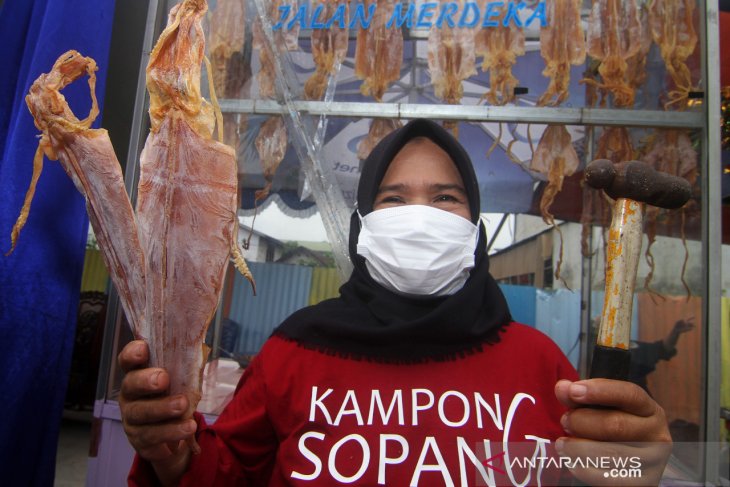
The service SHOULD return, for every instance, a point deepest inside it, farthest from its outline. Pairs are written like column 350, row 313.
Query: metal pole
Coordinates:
column 496, row 232
column 711, row 248
column 472, row 113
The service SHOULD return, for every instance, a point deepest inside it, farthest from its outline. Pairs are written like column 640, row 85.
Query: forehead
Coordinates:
column 422, row 159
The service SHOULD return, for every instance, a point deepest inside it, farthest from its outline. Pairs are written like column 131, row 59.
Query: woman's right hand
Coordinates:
column 153, row 420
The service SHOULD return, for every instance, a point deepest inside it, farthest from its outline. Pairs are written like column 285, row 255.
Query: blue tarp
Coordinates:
column 521, row 301
column 40, row 281
column 281, row 290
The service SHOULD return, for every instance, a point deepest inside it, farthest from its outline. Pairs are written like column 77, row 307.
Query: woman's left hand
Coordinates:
column 626, row 429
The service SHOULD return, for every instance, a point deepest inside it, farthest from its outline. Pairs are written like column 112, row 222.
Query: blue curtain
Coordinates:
column 40, row 281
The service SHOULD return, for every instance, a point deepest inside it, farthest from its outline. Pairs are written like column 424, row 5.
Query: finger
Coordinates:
column 134, row 355
column 617, row 394
column 562, row 393
column 146, row 411
column 150, row 438
column 144, row 383
column 614, row 425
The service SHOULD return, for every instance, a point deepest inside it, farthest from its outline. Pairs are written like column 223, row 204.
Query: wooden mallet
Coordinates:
column 631, row 184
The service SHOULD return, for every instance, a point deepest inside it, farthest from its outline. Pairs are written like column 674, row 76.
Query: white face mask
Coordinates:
column 416, row 249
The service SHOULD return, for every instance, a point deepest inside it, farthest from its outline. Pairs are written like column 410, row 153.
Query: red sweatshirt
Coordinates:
column 302, row 417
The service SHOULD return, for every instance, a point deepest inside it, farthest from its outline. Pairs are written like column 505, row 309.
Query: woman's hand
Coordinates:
column 152, row 418
column 626, row 425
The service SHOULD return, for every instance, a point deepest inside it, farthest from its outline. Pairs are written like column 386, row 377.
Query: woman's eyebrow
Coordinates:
column 447, row 187
column 391, row 187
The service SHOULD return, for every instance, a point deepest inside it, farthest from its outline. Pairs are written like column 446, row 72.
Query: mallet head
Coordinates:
column 638, row 181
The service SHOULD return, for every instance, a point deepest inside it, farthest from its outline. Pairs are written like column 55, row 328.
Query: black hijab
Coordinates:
column 370, row 322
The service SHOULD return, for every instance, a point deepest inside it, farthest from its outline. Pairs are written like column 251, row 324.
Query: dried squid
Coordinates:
column 379, row 128
column 555, row 157
column 672, row 28
column 168, row 265
column 284, row 40
column 88, row 158
column 272, row 140
column 636, row 73
column 499, row 47
column 562, row 44
column 451, row 60
column 186, row 208
column 231, row 71
column 614, row 36
column 378, row 51
column 329, row 48
column 271, row 145
column 671, row 152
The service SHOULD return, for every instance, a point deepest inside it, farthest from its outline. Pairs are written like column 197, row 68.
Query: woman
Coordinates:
column 415, row 375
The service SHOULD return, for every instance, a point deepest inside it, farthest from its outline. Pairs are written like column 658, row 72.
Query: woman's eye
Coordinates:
column 391, row 199
column 446, row 198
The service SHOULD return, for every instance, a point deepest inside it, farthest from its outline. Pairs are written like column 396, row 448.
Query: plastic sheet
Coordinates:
column 307, row 136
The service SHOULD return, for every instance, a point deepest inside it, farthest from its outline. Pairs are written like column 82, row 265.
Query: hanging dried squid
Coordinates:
column 451, row 59
column 671, row 152
column 636, row 73
column 272, row 139
column 231, row 70
column 614, row 35
column 499, row 46
column 379, row 128
column 271, row 143
column 562, row 44
column 378, row 51
column 186, row 208
column 87, row 156
column 284, row 40
column 329, row 47
column 556, row 158
column 672, row 27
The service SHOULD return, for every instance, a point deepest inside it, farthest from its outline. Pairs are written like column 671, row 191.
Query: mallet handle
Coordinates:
column 611, row 356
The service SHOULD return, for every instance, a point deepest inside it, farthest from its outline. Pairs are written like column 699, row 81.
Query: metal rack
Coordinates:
column 480, row 113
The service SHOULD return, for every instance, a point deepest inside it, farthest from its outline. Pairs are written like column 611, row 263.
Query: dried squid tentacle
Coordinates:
column 43, row 147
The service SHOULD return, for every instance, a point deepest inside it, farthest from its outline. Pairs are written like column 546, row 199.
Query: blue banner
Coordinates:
column 40, row 280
